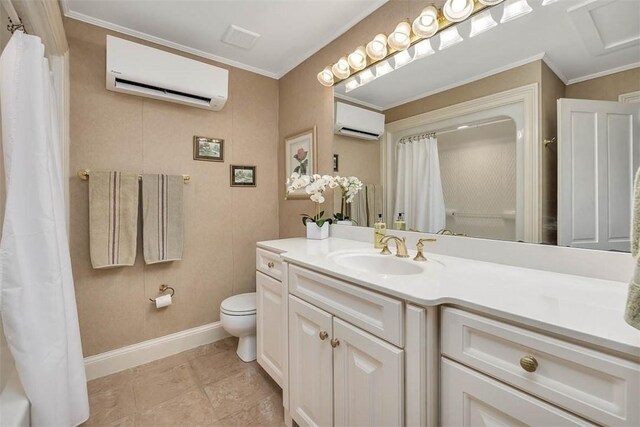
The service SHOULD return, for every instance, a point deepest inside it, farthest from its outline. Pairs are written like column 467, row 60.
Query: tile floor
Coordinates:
column 206, row 386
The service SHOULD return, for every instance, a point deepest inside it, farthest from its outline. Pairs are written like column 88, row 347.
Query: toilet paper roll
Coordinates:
column 163, row 301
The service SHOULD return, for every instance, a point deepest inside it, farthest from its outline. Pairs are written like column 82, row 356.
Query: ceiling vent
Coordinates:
column 237, row 36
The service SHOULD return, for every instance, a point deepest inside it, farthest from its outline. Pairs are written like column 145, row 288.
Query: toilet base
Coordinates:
column 247, row 348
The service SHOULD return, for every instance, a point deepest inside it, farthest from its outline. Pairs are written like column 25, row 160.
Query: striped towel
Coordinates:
column 113, row 218
column 162, row 229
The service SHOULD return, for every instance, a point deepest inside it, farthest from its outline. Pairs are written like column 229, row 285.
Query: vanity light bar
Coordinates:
column 430, row 22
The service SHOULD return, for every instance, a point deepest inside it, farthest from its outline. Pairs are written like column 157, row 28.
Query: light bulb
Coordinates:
column 481, row 23
column 426, row 25
column 383, row 68
column 351, row 84
column 402, row 59
column 547, row 2
column 515, row 9
column 423, row 49
column 491, row 2
column 400, row 39
column 458, row 10
column 358, row 58
column 325, row 77
column 341, row 68
column 449, row 37
column 377, row 48
column 366, row 76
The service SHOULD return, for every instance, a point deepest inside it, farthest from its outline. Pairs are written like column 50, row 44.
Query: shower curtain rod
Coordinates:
column 451, row 129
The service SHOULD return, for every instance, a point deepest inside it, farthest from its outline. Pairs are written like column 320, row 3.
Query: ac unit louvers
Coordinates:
column 357, row 122
column 144, row 71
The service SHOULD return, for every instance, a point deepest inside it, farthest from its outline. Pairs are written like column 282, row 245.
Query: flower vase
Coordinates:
column 317, row 233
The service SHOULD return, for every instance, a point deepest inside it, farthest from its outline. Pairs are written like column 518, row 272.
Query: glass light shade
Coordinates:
column 366, row 76
column 400, row 39
column 423, row 49
column 325, row 77
column 351, row 84
column 426, row 25
column 457, row 10
column 514, row 9
column 341, row 68
column 402, row 59
column 481, row 23
column 490, row 2
column 358, row 58
column 383, row 68
column 377, row 48
column 449, row 37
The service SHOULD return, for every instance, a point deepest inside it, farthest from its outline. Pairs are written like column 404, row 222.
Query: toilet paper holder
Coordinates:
column 163, row 289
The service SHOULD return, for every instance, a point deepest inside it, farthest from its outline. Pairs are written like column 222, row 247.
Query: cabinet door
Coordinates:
column 368, row 379
column 469, row 398
column 270, row 326
column 310, row 364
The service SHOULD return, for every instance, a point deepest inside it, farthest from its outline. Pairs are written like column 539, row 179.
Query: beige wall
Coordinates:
column 358, row 157
column 113, row 131
column 606, row 88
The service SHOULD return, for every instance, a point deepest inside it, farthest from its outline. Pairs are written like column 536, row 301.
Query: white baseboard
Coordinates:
column 131, row 356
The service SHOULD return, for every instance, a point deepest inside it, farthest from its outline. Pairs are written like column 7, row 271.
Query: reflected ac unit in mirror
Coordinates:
column 357, row 122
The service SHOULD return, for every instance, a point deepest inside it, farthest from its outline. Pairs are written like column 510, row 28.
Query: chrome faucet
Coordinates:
column 401, row 246
column 420, row 247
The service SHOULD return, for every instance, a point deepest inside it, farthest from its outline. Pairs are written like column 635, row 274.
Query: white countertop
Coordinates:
column 582, row 308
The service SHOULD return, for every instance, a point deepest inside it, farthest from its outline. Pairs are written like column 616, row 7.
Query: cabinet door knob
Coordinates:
column 323, row 335
column 270, row 264
column 529, row 363
column 335, row 342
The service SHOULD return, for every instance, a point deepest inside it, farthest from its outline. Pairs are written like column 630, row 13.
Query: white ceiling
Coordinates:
column 290, row 30
column 578, row 39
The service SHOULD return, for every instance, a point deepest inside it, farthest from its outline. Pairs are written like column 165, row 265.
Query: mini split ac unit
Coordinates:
column 144, row 71
column 357, row 122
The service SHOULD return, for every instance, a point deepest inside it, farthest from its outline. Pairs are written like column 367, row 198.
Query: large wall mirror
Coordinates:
column 520, row 129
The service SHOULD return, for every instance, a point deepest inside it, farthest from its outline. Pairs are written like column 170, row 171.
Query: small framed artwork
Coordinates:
column 243, row 176
column 300, row 157
column 208, row 149
column 335, row 163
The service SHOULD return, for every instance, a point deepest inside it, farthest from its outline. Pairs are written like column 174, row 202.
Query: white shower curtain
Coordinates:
column 37, row 300
column 418, row 185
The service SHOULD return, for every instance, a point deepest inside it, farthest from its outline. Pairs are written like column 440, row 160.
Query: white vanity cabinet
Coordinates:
column 271, row 315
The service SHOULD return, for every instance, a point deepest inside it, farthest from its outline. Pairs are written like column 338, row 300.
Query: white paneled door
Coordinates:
column 310, row 364
column 598, row 154
column 368, row 379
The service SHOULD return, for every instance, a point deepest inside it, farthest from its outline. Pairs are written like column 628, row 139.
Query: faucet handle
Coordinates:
column 385, row 249
column 420, row 246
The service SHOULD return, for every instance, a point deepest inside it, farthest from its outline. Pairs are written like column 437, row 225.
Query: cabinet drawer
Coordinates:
column 471, row 399
column 269, row 263
column 373, row 312
column 595, row 385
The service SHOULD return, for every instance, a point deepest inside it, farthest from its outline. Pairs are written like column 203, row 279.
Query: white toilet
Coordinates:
column 238, row 317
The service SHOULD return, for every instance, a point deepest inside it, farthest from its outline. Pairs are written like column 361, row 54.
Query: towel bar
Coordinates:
column 83, row 174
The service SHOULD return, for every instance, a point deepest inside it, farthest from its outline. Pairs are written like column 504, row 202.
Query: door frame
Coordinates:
column 526, row 98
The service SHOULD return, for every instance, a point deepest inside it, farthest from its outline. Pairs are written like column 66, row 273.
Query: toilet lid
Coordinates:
column 240, row 304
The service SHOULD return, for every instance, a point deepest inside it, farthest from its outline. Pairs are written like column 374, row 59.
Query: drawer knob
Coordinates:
column 270, row 264
column 323, row 335
column 529, row 363
column 335, row 342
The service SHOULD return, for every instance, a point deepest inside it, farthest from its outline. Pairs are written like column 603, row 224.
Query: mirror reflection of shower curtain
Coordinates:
column 419, row 192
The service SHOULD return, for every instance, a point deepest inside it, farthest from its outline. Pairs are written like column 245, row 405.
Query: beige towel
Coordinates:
column 113, row 218
column 632, row 312
column 162, row 218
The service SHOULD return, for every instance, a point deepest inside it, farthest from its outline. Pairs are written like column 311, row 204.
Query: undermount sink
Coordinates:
column 378, row 264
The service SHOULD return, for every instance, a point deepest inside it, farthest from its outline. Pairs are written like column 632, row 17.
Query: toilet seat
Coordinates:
column 239, row 305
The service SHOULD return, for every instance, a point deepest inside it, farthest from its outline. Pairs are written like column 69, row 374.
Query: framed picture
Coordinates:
column 300, row 157
column 335, row 163
column 243, row 176
column 208, row 149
